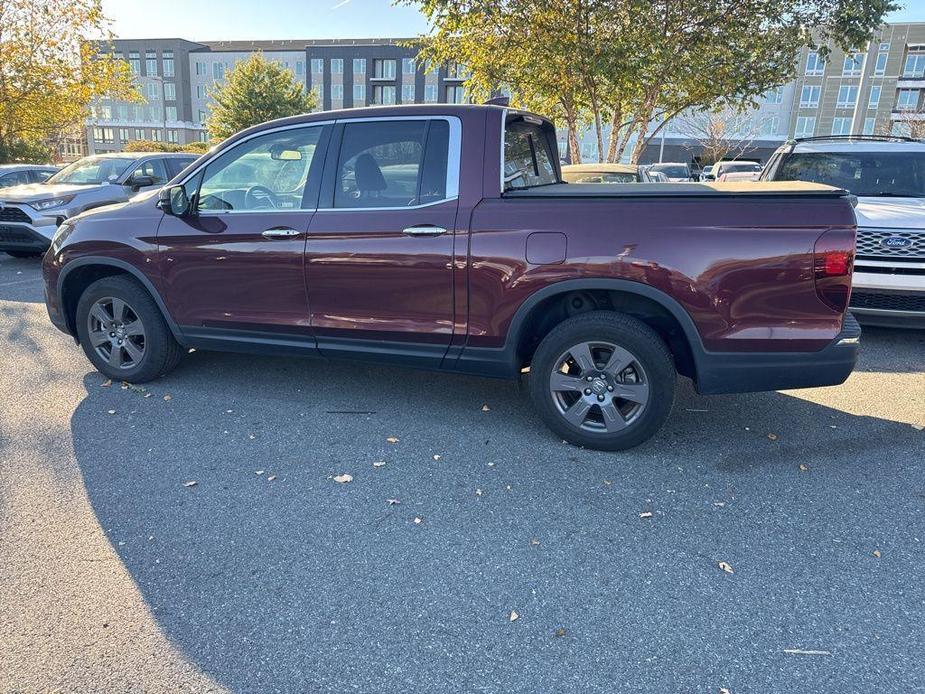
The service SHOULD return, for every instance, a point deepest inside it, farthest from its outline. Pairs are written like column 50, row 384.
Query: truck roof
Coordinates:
column 852, row 145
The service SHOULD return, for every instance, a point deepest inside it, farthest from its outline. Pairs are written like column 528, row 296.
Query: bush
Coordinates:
column 152, row 146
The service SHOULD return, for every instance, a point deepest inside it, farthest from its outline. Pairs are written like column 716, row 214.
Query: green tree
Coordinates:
column 636, row 63
column 255, row 91
column 50, row 73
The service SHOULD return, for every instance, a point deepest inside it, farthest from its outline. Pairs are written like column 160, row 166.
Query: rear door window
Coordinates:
column 528, row 160
column 153, row 168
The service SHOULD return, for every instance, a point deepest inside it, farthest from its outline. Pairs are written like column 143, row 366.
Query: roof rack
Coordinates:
column 873, row 138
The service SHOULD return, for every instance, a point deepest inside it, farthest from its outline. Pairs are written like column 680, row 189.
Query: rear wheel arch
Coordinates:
column 79, row 274
column 545, row 309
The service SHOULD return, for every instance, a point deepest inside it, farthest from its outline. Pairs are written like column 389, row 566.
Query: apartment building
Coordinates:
column 176, row 76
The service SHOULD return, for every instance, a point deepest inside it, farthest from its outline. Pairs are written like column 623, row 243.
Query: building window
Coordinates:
column 841, row 126
column 880, row 65
column 202, row 116
column 337, row 92
column 200, row 91
column 169, row 70
column 337, row 66
column 869, row 124
column 815, row 64
column 170, row 91
column 134, row 62
column 170, row 113
column 770, row 126
column 805, row 127
column 873, row 100
column 455, row 95
column 157, row 134
column 200, row 68
column 139, row 133
column 809, row 96
column 908, row 100
column 847, row 97
column 384, row 69
column 407, row 93
column 455, row 71
column 430, row 93
column 384, row 95
column 407, row 66
column 152, row 91
column 103, row 111
column 203, row 136
column 104, row 135
column 775, row 96
column 218, row 71
column 299, row 67
column 853, row 65
column 123, row 134
column 884, row 47
column 359, row 94
column 173, row 136
column 915, row 65
column 317, row 66
column 150, row 63
column 359, row 66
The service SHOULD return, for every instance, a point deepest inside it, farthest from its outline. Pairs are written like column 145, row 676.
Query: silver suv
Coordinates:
column 887, row 174
column 30, row 213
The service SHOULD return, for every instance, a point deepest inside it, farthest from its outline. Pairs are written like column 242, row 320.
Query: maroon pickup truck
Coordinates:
column 443, row 237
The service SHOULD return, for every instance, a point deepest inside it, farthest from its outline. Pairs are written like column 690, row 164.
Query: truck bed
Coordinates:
column 675, row 190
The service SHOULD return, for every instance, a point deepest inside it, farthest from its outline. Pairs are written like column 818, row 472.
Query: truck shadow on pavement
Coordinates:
column 215, row 487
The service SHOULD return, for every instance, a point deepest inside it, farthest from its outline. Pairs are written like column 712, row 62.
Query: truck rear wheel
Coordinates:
column 123, row 333
column 603, row 380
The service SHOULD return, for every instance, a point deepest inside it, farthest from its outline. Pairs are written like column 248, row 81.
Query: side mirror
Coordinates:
column 138, row 182
column 174, row 201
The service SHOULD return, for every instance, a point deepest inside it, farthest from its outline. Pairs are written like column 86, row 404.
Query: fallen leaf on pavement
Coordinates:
column 773, row 437
column 418, row 520
column 258, row 472
column 726, row 567
column 392, row 502
column 561, row 632
column 800, row 651
column 436, row 457
column 191, row 483
column 343, row 479
column 877, row 553
column 607, row 483
column 111, row 411
column 723, row 690
column 534, row 542
column 514, row 616
column 486, row 408
column 379, row 463
column 918, row 427
column 271, row 478
column 804, row 467
column 106, row 384
column 147, row 395
column 721, row 504
column 645, row 514
column 168, row 397
column 478, row 492
column 392, row 439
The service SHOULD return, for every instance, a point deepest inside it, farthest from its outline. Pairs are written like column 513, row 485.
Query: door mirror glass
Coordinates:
column 138, row 182
column 174, row 201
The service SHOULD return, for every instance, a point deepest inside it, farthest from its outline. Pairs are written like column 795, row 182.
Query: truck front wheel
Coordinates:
column 603, row 380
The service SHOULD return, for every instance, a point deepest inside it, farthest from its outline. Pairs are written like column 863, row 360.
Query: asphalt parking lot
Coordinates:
column 119, row 574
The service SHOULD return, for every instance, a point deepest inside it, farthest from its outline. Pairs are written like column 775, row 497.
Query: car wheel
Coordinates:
column 25, row 254
column 123, row 333
column 603, row 380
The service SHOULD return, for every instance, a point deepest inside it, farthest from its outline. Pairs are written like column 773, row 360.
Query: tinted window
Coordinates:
column 900, row 174
column 265, row 173
column 600, row 177
column 384, row 164
column 14, row 179
column 153, row 168
column 176, row 164
column 41, row 176
column 527, row 158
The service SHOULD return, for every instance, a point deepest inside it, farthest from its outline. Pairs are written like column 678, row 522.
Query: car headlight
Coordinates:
column 49, row 203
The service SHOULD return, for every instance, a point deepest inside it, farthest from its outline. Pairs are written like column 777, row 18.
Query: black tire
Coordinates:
column 651, row 371
column 25, row 254
column 160, row 352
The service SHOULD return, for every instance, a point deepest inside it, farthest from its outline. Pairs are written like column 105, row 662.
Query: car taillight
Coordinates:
column 833, row 261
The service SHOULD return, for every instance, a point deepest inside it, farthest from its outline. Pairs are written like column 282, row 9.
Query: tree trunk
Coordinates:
column 614, row 139
column 574, row 147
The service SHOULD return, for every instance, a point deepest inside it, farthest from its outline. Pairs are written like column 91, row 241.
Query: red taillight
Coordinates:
column 833, row 256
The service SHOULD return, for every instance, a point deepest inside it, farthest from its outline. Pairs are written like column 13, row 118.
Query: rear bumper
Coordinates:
column 745, row 373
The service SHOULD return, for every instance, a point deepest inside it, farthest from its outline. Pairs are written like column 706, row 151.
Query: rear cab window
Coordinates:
column 529, row 154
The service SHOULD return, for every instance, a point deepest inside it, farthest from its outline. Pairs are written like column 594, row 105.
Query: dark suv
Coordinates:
column 443, row 237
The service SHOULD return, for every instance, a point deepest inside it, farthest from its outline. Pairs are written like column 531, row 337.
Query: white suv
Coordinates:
column 887, row 174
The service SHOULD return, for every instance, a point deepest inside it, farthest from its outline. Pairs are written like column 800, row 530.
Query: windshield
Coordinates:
column 744, row 166
column 92, row 170
column 599, row 177
column 672, row 170
column 868, row 174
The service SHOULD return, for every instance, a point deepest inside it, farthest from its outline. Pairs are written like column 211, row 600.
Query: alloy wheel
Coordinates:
column 116, row 333
column 599, row 387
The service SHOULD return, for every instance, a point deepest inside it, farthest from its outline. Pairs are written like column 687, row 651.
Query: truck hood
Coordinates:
column 893, row 213
column 30, row 192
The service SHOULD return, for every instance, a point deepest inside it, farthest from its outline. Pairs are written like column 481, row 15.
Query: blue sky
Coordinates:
column 294, row 19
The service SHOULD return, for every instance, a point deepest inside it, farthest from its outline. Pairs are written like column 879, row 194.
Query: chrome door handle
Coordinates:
column 280, row 233
column 424, row 230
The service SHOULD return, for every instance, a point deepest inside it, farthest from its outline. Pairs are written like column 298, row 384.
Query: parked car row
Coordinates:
column 30, row 213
